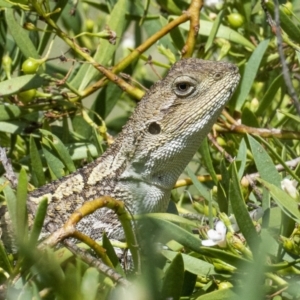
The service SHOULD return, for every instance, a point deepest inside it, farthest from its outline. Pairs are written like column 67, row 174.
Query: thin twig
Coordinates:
column 220, row 148
column 263, row 132
column 285, row 69
column 292, row 164
column 194, row 13
column 93, row 261
column 9, row 173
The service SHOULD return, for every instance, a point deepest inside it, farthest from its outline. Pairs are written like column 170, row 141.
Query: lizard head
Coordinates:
column 169, row 123
column 187, row 101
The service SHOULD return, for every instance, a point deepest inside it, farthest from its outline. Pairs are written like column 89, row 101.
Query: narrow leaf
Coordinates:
column 21, row 83
column 268, row 97
column 89, row 284
column 38, row 175
column 38, row 222
column 173, row 280
column 240, row 210
column 202, row 189
column 204, row 150
column 223, row 32
column 250, row 73
column 192, row 264
column 285, row 201
column 214, row 30
column 9, row 112
column 264, row 163
column 20, row 35
column 112, row 255
column 224, row 294
column 242, row 157
column 21, row 209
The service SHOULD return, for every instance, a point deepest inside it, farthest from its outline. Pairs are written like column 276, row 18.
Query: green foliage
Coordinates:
column 56, row 49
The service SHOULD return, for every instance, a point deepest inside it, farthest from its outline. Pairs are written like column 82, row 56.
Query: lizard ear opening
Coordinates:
column 154, row 128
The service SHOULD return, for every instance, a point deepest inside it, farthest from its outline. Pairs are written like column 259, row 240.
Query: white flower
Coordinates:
column 289, row 187
column 216, row 237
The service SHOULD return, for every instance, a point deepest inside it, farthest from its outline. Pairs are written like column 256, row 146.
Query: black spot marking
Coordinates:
column 154, row 128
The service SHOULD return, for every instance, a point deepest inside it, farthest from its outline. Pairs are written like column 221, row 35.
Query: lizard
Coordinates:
column 149, row 154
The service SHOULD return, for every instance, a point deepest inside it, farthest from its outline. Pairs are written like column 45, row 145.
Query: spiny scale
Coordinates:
column 150, row 153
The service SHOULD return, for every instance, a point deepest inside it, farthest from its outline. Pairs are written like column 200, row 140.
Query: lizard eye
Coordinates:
column 183, row 89
column 184, row 86
column 218, row 76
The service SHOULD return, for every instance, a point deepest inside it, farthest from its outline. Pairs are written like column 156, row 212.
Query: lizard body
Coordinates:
column 150, row 153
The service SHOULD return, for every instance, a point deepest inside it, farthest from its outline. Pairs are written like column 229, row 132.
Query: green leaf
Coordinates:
column 89, row 284
column 286, row 22
column 204, row 150
column 291, row 116
column 110, row 252
column 46, row 37
column 13, row 127
column 242, row 157
column 56, row 144
column 223, row 32
column 214, row 30
column 21, row 83
column 40, row 215
column 56, row 167
column 4, row 261
column 38, row 175
column 4, row 3
column 264, row 163
column 268, row 97
column 172, row 218
column 167, row 231
column 21, row 209
column 97, row 140
column 250, row 73
column 9, row 112
column 107, row 99
column 173, row 280
column 20, row 36
column 222, row 199
column 240, row 210
column 283, row 199
column 202, row 189
column 11, row 202
column 117, row 22
column 192, row 264
column 224, row 294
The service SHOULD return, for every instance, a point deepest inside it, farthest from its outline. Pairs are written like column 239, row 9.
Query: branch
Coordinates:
column 89, row 207
column 292, row 164
column 194, row 13
column 9, row 173
column 93, row 261
column 263, row 132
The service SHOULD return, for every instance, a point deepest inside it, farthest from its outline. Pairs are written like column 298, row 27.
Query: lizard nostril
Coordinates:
column 154, row 128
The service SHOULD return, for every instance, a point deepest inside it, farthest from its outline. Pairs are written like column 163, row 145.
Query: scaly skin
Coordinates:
column 150, row 153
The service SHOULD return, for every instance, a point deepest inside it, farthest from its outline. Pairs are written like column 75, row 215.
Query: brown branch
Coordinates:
column 93, row 261
column 9, row 172
column 275, row 27
column 220, row 148
column 89, row 207
column 285, row 69
column 263, row 132
column 194, row 14
column 100, row 251
column 292, row 164
column 188, row 181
